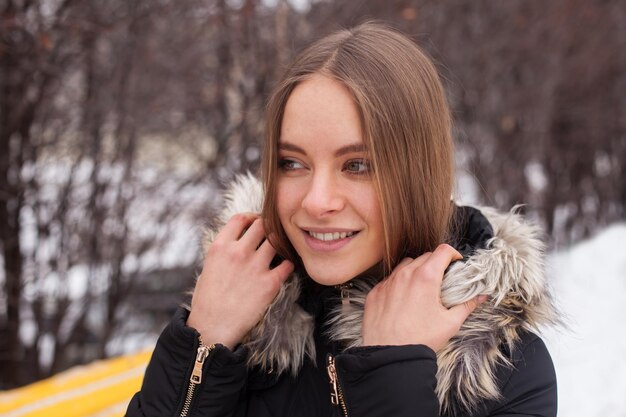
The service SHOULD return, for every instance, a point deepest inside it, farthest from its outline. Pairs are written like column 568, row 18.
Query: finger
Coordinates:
column 283, row 270
column 419, row 261
column 388, row 289
column 461, row 312
column 440, row 259
column 253, row 237
column 266, row 252
column 233, row 229
column 399, row 268
column 404, row 262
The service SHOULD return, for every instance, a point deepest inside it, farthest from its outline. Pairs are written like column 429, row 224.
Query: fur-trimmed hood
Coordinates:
column 505, row 262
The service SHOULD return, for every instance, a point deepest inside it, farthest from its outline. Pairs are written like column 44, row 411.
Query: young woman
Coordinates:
column 348, row 283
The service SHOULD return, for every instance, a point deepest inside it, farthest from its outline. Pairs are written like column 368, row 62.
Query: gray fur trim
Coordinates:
column 509, row 271
column 284, row 336
column 245, row 195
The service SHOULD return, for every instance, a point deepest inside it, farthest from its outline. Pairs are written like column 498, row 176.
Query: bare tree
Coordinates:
column 118, row 121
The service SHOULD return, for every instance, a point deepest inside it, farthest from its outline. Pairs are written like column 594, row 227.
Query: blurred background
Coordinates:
column 121, row 121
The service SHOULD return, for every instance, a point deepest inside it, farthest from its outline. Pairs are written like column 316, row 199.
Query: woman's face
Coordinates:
column 325, row 192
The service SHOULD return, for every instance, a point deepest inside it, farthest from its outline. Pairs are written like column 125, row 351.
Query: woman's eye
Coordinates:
column 287, row 164
column 358, row 166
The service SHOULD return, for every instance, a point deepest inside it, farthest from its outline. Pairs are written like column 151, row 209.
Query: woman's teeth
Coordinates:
column 326, row 237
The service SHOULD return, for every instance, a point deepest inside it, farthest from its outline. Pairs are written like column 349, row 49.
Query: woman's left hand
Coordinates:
column 406, row 307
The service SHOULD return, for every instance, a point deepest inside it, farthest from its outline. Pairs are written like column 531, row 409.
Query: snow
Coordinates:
column 536, row 176
column 589, row 282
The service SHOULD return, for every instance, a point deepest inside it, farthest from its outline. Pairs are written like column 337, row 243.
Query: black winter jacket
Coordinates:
column 376, row 381
column 495, row 366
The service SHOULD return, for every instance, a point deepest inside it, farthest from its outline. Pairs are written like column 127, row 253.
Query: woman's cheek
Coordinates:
column 286, row 200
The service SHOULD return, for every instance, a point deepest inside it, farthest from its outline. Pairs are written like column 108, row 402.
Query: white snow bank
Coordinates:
column 589, row 281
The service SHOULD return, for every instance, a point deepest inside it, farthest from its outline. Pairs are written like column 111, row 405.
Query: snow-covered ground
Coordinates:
column 589, row 281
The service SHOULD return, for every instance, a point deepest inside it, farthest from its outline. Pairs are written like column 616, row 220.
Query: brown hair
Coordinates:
column 406, row 126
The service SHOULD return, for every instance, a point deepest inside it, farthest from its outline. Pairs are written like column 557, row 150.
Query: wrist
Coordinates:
column 211, row 335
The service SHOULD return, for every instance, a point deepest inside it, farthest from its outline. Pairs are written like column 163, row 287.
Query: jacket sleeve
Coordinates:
column 530, row 389
column 167, row 378
column 388, row 381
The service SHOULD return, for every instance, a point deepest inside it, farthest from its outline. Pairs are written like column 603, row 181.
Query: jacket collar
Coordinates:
column 503, row 258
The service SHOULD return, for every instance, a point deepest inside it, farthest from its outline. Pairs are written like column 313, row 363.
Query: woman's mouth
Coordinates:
column 327, row 237
column 328, row 241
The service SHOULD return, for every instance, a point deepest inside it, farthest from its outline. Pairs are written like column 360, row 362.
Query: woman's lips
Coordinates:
column 328, row 236
column 328, row 245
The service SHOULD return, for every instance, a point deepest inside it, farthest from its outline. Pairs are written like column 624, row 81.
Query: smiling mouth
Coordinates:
column 329, row 237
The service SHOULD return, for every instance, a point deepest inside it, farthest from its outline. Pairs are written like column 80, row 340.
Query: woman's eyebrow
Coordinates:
column 286, row 146
column 352, row 148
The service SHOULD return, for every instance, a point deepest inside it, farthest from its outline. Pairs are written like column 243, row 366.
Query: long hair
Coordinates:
column 406, row 125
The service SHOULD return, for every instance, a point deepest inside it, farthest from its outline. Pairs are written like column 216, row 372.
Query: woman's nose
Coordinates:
column 323, row 196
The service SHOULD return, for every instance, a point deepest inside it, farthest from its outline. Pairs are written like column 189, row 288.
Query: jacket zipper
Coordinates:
column 196, row 376
column 344, row 290
column 336, row 394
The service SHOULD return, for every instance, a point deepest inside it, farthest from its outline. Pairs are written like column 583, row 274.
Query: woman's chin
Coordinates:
column 328, row 280
column 333, row 275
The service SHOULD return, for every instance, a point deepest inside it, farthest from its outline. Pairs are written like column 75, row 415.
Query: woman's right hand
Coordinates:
column 236, row 284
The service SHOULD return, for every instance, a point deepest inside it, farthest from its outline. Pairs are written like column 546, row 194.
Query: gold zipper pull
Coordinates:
column 344, row 291
column 203, row 352
column 332, row 374
column 345, row 296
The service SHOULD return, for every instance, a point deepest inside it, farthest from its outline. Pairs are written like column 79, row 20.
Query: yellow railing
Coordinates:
column 100, row 389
